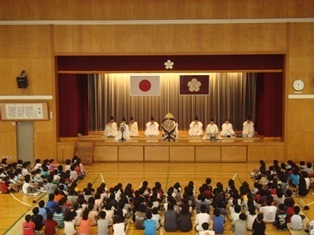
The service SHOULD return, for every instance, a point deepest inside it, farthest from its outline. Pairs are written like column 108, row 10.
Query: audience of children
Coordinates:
column 269, row 201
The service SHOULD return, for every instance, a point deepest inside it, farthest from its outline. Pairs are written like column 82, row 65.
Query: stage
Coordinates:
column 97, row 148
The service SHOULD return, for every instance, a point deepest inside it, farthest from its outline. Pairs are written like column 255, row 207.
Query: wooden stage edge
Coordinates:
column 95, row 148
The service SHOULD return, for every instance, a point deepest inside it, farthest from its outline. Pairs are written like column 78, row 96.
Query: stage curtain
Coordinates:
column 231, row 95
column 73, row 104
column 269, row 97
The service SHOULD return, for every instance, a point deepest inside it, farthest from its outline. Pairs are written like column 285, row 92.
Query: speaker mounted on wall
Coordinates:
column 21, row 80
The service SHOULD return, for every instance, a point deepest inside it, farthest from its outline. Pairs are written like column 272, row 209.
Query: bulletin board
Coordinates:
column 23, row 111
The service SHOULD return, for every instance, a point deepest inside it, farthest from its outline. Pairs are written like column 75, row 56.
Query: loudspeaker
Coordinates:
column 22, row 82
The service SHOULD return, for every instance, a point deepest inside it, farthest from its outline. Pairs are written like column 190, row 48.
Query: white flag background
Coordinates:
column 142, row 85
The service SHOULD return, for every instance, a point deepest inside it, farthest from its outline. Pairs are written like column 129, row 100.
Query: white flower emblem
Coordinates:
column 169, row 64
column 194, row 85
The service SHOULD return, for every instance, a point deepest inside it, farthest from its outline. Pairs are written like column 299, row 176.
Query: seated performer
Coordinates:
column 111, row 128
column 211, row 130
column 123, row 133
column 152, row 128
column 248, row 128
column 227, row 129
column 196, row 128
column 133, row 127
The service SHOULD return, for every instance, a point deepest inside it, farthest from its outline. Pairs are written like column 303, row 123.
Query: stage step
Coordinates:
column 85, row 150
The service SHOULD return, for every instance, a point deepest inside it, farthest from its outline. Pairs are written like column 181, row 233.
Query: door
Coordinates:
column 25, row 141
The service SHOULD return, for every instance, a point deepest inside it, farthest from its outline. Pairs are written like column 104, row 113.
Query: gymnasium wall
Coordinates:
column 34, row 47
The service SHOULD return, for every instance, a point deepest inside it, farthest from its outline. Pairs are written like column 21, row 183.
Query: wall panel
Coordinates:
column 7, row 37
column 198, row 40
column 121, row 39
column 258, row 37
column 101, row 38
column 238, row 35
column 159, row 43
column 297, row 40
column 218, row 39
column 218, row 9
column 277, row 37
column 238, row 9
column 63, row 38
column 141, row 38
column 82, row 38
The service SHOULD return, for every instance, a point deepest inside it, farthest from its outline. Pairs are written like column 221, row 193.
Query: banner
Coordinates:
column 194, row 84
column 144, row 85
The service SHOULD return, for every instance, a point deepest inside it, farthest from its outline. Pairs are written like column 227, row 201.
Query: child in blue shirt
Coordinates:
column 149, row 224
column 219, row 221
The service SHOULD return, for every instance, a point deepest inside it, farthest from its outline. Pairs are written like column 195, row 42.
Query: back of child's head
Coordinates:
column 69, row 216
column 170, row 206
column 90, row 206
column 35, row 210
column 149, row 215
column 289, row 192
column 242, row 216
column 260, row 217
column 58, row 209
column 102, row 214
column 296, row 210
column 208, row 180
column 28, row 218
column 203, row 209
column 49, row 216
column 281, row 207
column 27, row 178
column 217, row 212
column 155, row 210
column 68, row 162
column 85, row 214
column 252, row 210
column 268, row 202
column 205, row 226
column 237, row 208
column 185, row 209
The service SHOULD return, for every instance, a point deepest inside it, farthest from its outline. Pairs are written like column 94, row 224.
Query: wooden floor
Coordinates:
column 13, row 207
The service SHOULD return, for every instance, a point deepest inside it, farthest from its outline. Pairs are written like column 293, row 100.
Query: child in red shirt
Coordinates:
column 50, row 225
column 28, row 226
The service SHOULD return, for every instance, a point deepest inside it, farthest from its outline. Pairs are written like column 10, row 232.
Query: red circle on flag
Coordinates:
column 145, row 85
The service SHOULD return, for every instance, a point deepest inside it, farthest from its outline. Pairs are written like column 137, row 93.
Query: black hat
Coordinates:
column 131, row 118
column 123, row 119
column 212, row 119
column 111, row 117
column 248, row 117
column 152, row 118
column 196, row 117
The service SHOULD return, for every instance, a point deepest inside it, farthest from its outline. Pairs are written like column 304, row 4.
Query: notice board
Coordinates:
column 23, row 111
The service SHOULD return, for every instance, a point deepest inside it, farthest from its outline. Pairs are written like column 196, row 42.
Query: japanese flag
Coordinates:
column 144, row 85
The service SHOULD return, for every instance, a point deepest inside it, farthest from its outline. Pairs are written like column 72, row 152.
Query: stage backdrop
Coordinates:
column 87, row 101
column 230, row 95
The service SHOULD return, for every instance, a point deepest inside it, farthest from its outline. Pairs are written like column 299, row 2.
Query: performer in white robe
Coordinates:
column 123, row 132
column 196, row 128
column 227, row 129
column 111, row 128
column 133, row 127
column 248, row 128
column 152, row 128
column 211, row 130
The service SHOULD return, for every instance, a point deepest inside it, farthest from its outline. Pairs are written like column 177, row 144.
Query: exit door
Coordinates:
column 25, row 141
